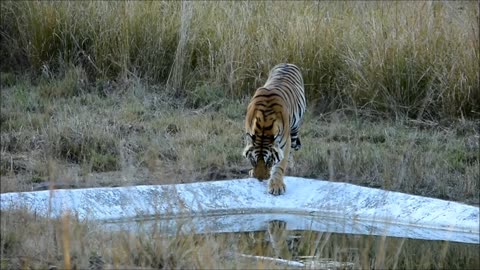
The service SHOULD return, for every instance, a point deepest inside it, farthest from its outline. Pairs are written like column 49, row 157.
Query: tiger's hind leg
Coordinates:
column 296, row 144
column 295, row 140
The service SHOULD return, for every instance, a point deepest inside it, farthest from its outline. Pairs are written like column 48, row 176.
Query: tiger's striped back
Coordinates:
column 287, row 80
column 274, row 117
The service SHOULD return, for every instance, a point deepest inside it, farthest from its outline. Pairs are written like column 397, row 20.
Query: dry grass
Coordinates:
column 157, row 139
column 139, row 135
column 414, row 58
column 114, row 94
column 47, row 243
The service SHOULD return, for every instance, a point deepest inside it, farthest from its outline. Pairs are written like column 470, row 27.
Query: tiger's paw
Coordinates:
column 276, row 187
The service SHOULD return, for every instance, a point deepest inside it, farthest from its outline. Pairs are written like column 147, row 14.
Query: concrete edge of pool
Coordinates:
column 245, row 205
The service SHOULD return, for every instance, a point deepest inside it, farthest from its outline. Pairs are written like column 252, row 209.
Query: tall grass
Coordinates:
column 415, row 58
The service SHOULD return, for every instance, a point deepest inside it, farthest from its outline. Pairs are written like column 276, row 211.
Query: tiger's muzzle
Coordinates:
column 261, row 171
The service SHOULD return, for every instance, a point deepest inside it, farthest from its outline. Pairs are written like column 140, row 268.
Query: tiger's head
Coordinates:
column 262, row 159
column 263, row 150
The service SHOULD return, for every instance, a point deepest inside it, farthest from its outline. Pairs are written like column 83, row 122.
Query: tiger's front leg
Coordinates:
column 276, row 186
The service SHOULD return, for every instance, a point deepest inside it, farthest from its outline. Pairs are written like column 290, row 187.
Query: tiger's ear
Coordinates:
column 250, row 136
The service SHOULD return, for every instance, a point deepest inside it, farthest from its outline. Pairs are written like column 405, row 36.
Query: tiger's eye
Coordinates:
column 269, row 162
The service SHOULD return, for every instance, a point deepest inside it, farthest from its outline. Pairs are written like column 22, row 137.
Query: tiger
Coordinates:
column 273, row 119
